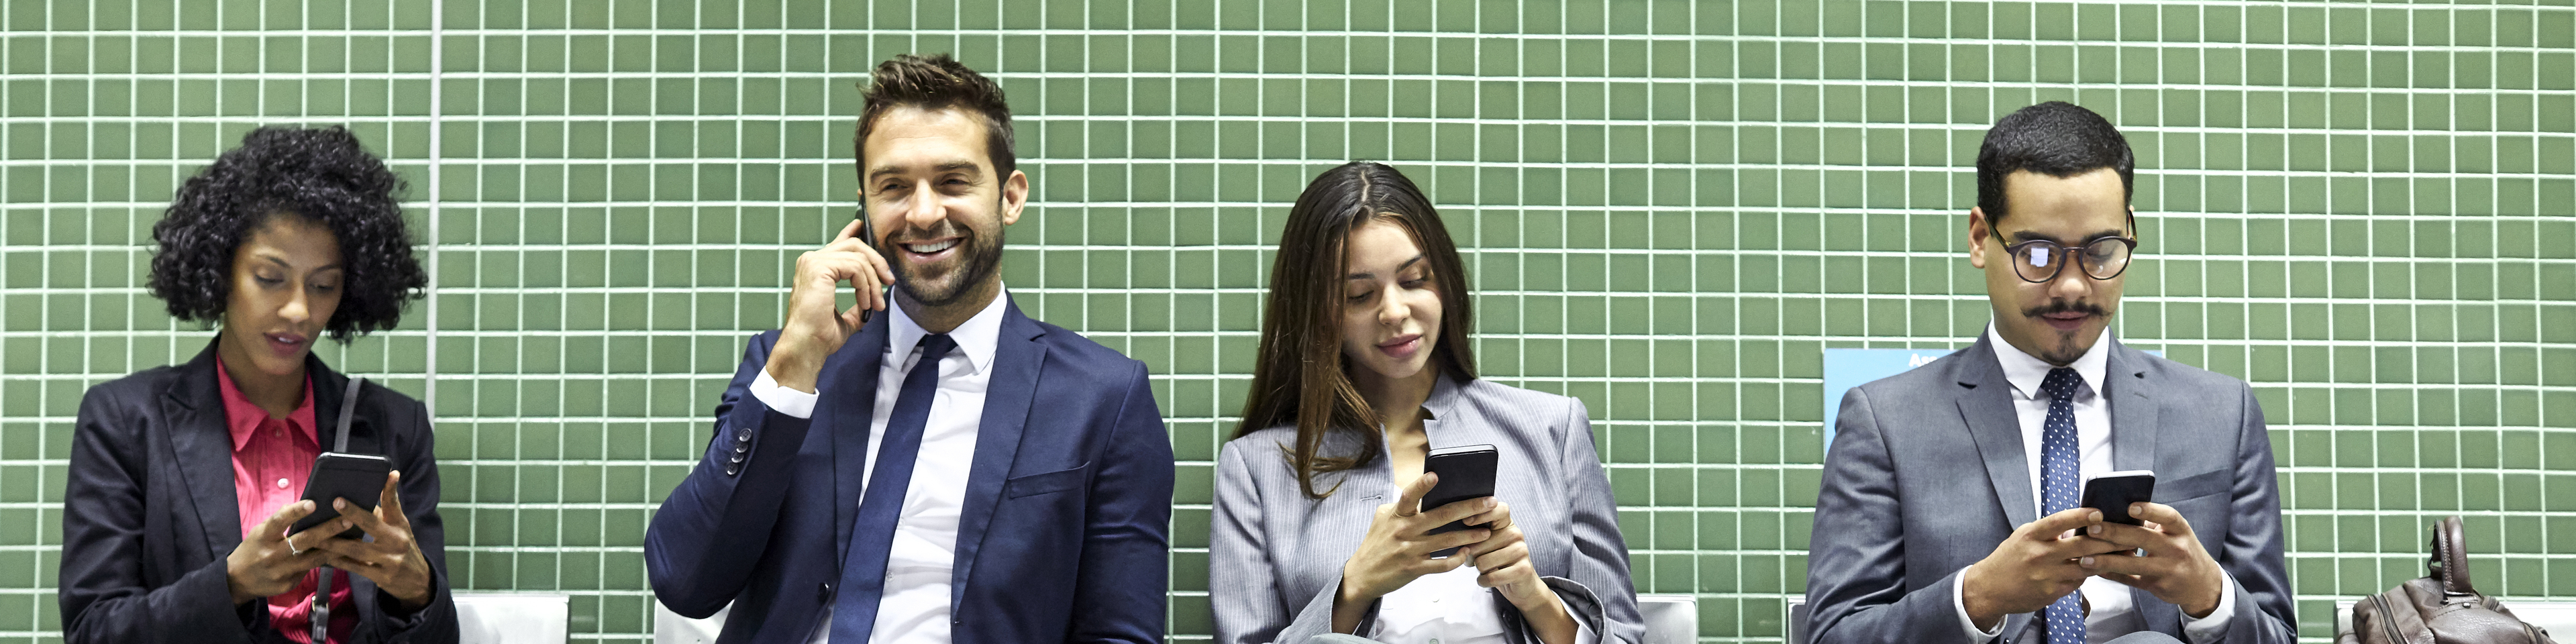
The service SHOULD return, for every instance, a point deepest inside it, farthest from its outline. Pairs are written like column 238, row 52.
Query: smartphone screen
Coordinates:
column 2112, row 492
column 1466, row 472
column 360, row 478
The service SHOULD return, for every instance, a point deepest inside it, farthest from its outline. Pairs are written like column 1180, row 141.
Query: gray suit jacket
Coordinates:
column 1926, row 475
column 1275, row 556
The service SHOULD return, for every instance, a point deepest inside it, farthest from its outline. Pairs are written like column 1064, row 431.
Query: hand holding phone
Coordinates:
column 1466, row 472
column 815, row 325
column 360, row 478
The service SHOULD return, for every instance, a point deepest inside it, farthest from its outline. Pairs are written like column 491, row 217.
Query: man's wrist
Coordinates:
column 1972, row 598
column 2208, row 601
column 792, row 368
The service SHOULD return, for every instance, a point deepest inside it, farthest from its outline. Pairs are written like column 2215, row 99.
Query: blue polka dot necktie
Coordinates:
column 2059, row 469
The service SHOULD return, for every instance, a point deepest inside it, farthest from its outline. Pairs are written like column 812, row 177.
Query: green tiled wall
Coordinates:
column 2366, row 209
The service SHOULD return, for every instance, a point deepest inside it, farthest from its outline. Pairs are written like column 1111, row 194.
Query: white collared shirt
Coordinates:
column 914, row 608
column 2112, row 613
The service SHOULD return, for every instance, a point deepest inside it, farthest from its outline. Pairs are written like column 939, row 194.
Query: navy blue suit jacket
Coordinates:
column 1065, row 532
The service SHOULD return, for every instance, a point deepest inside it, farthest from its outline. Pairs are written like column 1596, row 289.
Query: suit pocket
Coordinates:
column 2192, row 487
column 1046, row 482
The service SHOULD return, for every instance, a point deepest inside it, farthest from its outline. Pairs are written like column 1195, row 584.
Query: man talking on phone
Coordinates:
column 1949, row 507
column 929, row 465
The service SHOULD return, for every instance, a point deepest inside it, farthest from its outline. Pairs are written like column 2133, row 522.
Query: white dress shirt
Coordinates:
column 914, row 607
column 2112, row 613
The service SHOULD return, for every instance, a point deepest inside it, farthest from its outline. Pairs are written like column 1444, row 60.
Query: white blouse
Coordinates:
column 1448, row 608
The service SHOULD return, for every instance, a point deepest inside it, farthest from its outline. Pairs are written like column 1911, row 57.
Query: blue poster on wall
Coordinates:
column 1848, row 368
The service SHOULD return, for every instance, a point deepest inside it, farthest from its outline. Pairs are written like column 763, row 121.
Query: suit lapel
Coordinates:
column 1985, row 404
column 1017, row 360
column 845, row 416
column 2133, row 447
column 2133, row 411
column 194, row 403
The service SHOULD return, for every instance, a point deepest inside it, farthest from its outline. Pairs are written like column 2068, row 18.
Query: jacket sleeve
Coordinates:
column 103, row 597
column 702, row 545
column 2251, row 553
column 436, row 622
column 1856, row 552
column 1243, row 585
column 1244, row 589
column 1127, row 542
column 1597, row 590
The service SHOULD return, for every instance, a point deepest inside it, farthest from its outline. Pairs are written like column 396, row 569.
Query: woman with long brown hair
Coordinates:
column 1365, row 368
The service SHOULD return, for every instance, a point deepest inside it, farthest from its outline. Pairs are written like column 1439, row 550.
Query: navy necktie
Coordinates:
column 863, row 571
column 2060, row 469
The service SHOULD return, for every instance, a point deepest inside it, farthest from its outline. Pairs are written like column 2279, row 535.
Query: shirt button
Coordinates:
column 281, row 484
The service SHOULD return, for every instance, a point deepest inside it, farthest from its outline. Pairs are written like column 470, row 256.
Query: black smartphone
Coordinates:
column 1466, row 472
column 360, row 478
column 2112, row 492
column 868, row 235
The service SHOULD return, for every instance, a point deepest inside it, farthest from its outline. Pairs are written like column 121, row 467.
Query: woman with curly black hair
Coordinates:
column 185, row 480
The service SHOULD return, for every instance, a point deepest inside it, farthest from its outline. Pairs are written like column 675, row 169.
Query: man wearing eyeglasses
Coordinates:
column 1949, row 509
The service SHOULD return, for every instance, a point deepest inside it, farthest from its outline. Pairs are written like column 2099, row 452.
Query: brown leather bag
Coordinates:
column 2439, row 608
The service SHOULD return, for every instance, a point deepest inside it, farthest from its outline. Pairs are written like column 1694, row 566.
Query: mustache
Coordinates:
column 2063, row 306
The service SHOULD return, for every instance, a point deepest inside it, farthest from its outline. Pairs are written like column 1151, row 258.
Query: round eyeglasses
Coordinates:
column 2039, row 260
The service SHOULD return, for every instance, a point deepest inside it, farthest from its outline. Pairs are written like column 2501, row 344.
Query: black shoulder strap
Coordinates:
column 348, row 411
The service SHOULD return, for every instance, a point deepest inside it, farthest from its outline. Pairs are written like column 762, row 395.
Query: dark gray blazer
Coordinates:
column 149, row 511
column 1275, row 556
column 1926, row 475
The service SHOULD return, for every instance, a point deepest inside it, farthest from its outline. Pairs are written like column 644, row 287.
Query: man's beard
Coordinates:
column 981, row 256
column 2065, row 352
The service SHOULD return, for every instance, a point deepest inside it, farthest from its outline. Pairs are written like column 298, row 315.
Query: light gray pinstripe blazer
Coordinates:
column 1275, row 556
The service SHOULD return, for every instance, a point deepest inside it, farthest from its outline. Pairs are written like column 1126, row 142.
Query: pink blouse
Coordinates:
column 271, row 459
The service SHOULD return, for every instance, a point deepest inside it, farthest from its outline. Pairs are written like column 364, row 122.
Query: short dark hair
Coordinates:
column 936, row 82
column 319, row 174
column 2055, row 138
